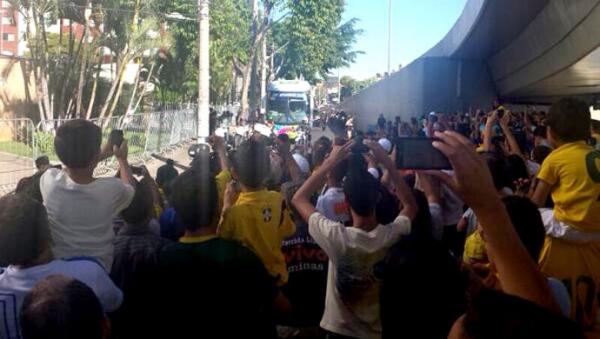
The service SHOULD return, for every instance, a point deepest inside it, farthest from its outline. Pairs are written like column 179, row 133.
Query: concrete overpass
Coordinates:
column 521, row 51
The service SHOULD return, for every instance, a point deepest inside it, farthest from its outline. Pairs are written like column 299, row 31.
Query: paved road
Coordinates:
column 13, row 169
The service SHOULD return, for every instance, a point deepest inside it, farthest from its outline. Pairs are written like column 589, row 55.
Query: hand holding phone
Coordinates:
column 116, row 137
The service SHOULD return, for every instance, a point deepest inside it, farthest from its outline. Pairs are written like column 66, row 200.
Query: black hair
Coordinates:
column 570, row 120
column 421, row 225
column 497, row 165
column 165, row 174
column 24, row 230
column 540, row 153
column 540, row 131
column 321, row 148
column 516, row 169
column 61, row 308
column 360, row 188
column 140, row 209
column 30, row 186
column 77, row 143
column 195, row 198
column 42, row 161
column 251, row 163
column 414, row 304
column 528, row 224
column 493, row 315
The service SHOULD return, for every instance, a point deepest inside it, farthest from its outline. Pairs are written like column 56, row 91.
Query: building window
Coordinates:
column 7, row 21
column 8, row 37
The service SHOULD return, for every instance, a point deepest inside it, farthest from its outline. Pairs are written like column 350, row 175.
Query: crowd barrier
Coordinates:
column 21, row 142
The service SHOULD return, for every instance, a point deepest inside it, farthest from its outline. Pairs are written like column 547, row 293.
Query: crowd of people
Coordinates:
column 331, row 241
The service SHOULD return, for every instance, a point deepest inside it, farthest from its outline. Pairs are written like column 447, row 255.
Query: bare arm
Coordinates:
column 301, row 199
column 156, row 197
column 124, row 169
column 430, row 186
column 290, row 162
column 218, row 145
column 518, row 273
column 512, row 142
column 487, row 132
column 106, row 152
column 541, row 193
column 407, row 200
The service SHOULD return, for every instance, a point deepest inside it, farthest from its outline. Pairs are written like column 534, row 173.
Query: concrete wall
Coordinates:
column 428, row 84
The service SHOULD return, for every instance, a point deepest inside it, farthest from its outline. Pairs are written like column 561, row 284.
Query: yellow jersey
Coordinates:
column 573, row 172
column 260, row 221
column 475, row 251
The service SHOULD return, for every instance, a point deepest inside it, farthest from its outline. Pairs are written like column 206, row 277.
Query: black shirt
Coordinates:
column 215, row 288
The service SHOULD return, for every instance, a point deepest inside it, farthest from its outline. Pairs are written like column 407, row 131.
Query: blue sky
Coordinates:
column 417, row 25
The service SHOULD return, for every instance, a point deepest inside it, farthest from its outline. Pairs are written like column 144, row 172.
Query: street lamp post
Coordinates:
column 389, row 61
column 203, row 70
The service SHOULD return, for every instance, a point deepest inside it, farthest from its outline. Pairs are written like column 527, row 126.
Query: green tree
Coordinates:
column 230, row 28
column 315, row 40
column 351, row 86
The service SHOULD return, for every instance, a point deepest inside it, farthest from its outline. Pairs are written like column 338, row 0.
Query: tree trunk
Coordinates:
column 84, row 66
column 113, row 88
column 263, row 76
column 246, row 77
column 117, row 96
column 88, row 116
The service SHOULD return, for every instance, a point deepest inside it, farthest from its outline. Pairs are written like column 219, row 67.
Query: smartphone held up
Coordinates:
column 116, row 137
column 419, row 154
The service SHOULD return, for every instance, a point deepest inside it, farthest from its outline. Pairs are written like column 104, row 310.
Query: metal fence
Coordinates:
column 21, row 142
column 18, row 151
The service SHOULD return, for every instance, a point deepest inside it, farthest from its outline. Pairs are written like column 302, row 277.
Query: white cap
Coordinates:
column 374, row 172
column 595, row 114
column 302, row 163
column 386, row 144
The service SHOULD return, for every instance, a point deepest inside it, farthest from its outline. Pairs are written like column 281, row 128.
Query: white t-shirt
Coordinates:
column 352, row 299
column 452, row 205
column 81, row 216
column 332, row 204
column 16, row 283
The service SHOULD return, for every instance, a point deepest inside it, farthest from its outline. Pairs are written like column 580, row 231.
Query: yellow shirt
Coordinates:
column 573, row 172
column 475, row 251
column 260, row 221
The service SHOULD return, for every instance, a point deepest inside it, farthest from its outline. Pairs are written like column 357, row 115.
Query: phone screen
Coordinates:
column 419, row 153
column 116, row 137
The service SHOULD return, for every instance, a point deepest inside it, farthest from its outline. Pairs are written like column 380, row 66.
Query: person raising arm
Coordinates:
column 301, row 199
column 472, row 180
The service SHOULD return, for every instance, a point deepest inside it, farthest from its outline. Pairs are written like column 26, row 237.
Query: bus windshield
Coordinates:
column 288, row 108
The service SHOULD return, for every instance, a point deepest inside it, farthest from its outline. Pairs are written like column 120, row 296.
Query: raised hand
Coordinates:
column 472, row 179
column 122, row 151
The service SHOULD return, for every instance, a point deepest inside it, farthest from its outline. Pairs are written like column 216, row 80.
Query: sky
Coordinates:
column 417, row 25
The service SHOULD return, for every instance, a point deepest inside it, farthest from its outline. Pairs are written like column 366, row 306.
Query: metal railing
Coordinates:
column 18, row 152
column 21, row 142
